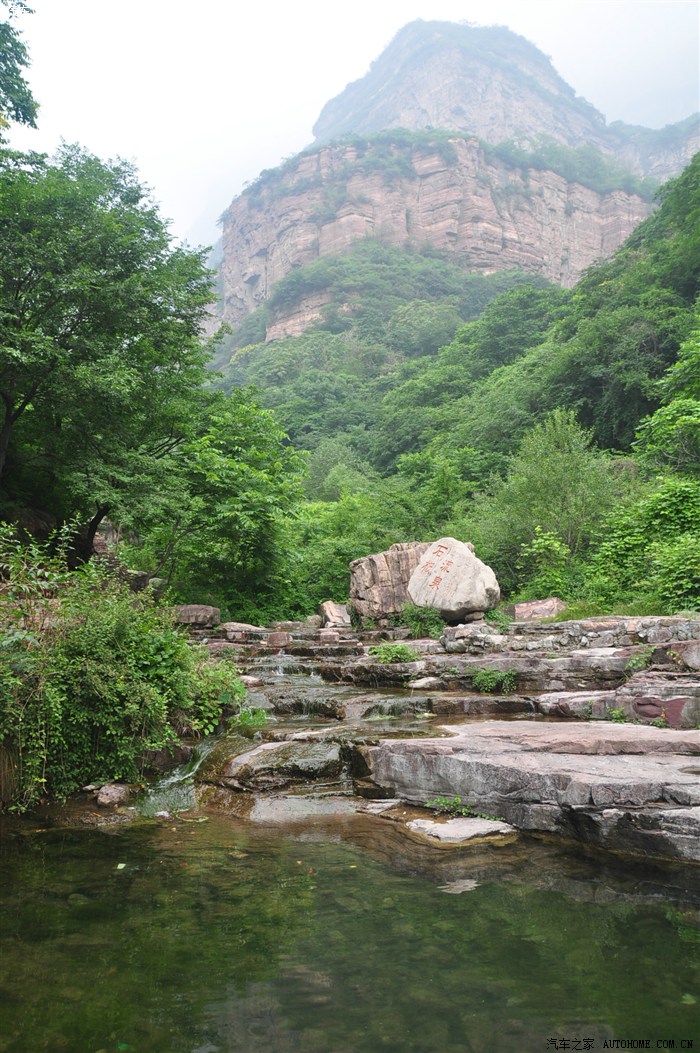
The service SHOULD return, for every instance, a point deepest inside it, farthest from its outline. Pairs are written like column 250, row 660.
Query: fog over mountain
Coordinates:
column 204, row 98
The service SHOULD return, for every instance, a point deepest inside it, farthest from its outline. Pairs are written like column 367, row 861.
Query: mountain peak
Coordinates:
column 462, row 77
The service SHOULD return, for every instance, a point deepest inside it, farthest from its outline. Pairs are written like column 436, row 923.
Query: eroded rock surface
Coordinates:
column 468, row 205
column 277, row 765
column 628, row 787
column 379, row 583
column 197, row 614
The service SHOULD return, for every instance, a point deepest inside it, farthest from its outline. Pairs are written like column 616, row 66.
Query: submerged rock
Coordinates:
column 462, row 830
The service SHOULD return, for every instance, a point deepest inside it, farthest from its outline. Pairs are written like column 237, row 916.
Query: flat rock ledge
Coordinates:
column 627, row 788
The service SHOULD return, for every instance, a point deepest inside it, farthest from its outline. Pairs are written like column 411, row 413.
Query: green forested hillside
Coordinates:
column 550, row 424
column 389, row 309
column 558, row 430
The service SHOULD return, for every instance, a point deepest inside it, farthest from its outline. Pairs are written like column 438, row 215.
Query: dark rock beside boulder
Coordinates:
column 156, row 762
column 379, row 583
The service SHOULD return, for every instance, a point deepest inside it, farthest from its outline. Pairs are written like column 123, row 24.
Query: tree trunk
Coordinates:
column 5, row 433
column 81, row 549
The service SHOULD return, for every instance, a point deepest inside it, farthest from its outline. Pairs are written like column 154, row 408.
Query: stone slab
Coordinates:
column 460, row 831
column 558, row 778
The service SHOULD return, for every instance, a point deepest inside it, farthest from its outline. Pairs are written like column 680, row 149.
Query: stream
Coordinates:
column 331, row 932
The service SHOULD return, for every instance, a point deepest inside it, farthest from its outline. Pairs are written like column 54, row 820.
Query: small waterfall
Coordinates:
column 175, row 791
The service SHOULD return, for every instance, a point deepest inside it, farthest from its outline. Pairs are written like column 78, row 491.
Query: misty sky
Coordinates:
column 203, row 95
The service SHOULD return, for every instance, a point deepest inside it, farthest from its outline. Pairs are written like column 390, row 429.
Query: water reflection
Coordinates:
column 333, row 936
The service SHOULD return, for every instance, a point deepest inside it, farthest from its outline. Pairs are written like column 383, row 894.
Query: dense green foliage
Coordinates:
column 91, row 677
column 582, row 164
column 94, row 302
column 389, row 311
column 537, row 432
column 401, row 299
column 218, row 529
column 16, row 100
column 103, row 412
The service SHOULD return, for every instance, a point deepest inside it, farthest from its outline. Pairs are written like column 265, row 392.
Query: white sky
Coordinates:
column 204, row 94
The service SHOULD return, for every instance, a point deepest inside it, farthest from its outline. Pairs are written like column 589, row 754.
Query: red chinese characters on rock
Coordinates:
column 428, row 566
column 451, row 579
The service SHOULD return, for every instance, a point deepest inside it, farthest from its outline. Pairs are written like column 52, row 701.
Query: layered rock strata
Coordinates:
column 489, row 215
column 634, row 789
column 379, row 583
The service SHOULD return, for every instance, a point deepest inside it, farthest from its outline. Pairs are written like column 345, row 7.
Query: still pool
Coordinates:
column 335, row 937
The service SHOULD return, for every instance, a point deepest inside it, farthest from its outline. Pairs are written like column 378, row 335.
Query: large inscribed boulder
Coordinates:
column 452, row 579
column 378, row 583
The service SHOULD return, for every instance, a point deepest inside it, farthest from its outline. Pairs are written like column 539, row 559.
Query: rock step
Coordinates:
column 481, row 637
column 594, row 668
column 629, row 788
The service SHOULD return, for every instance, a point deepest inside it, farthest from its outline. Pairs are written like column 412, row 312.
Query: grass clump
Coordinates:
column 494, row 680
column 392, row 653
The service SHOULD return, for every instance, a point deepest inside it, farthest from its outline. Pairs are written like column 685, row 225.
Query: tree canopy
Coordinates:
column 103, row 406
column 16, row 100
column 100, row 318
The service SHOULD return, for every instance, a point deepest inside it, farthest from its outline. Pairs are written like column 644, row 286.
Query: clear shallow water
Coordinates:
column 334, row 937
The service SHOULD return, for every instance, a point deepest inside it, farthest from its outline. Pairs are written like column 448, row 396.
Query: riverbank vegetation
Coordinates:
column 93, row 678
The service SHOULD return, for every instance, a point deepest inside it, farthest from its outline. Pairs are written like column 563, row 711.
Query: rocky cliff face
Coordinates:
column 487, row 214
column 415, row 170
column 492, row 83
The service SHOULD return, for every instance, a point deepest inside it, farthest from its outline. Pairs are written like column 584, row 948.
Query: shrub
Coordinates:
column 390, row 653
column 421, row 621
column 499, row 619
column 545, row 559
column 91, row 676
column 494, row 680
